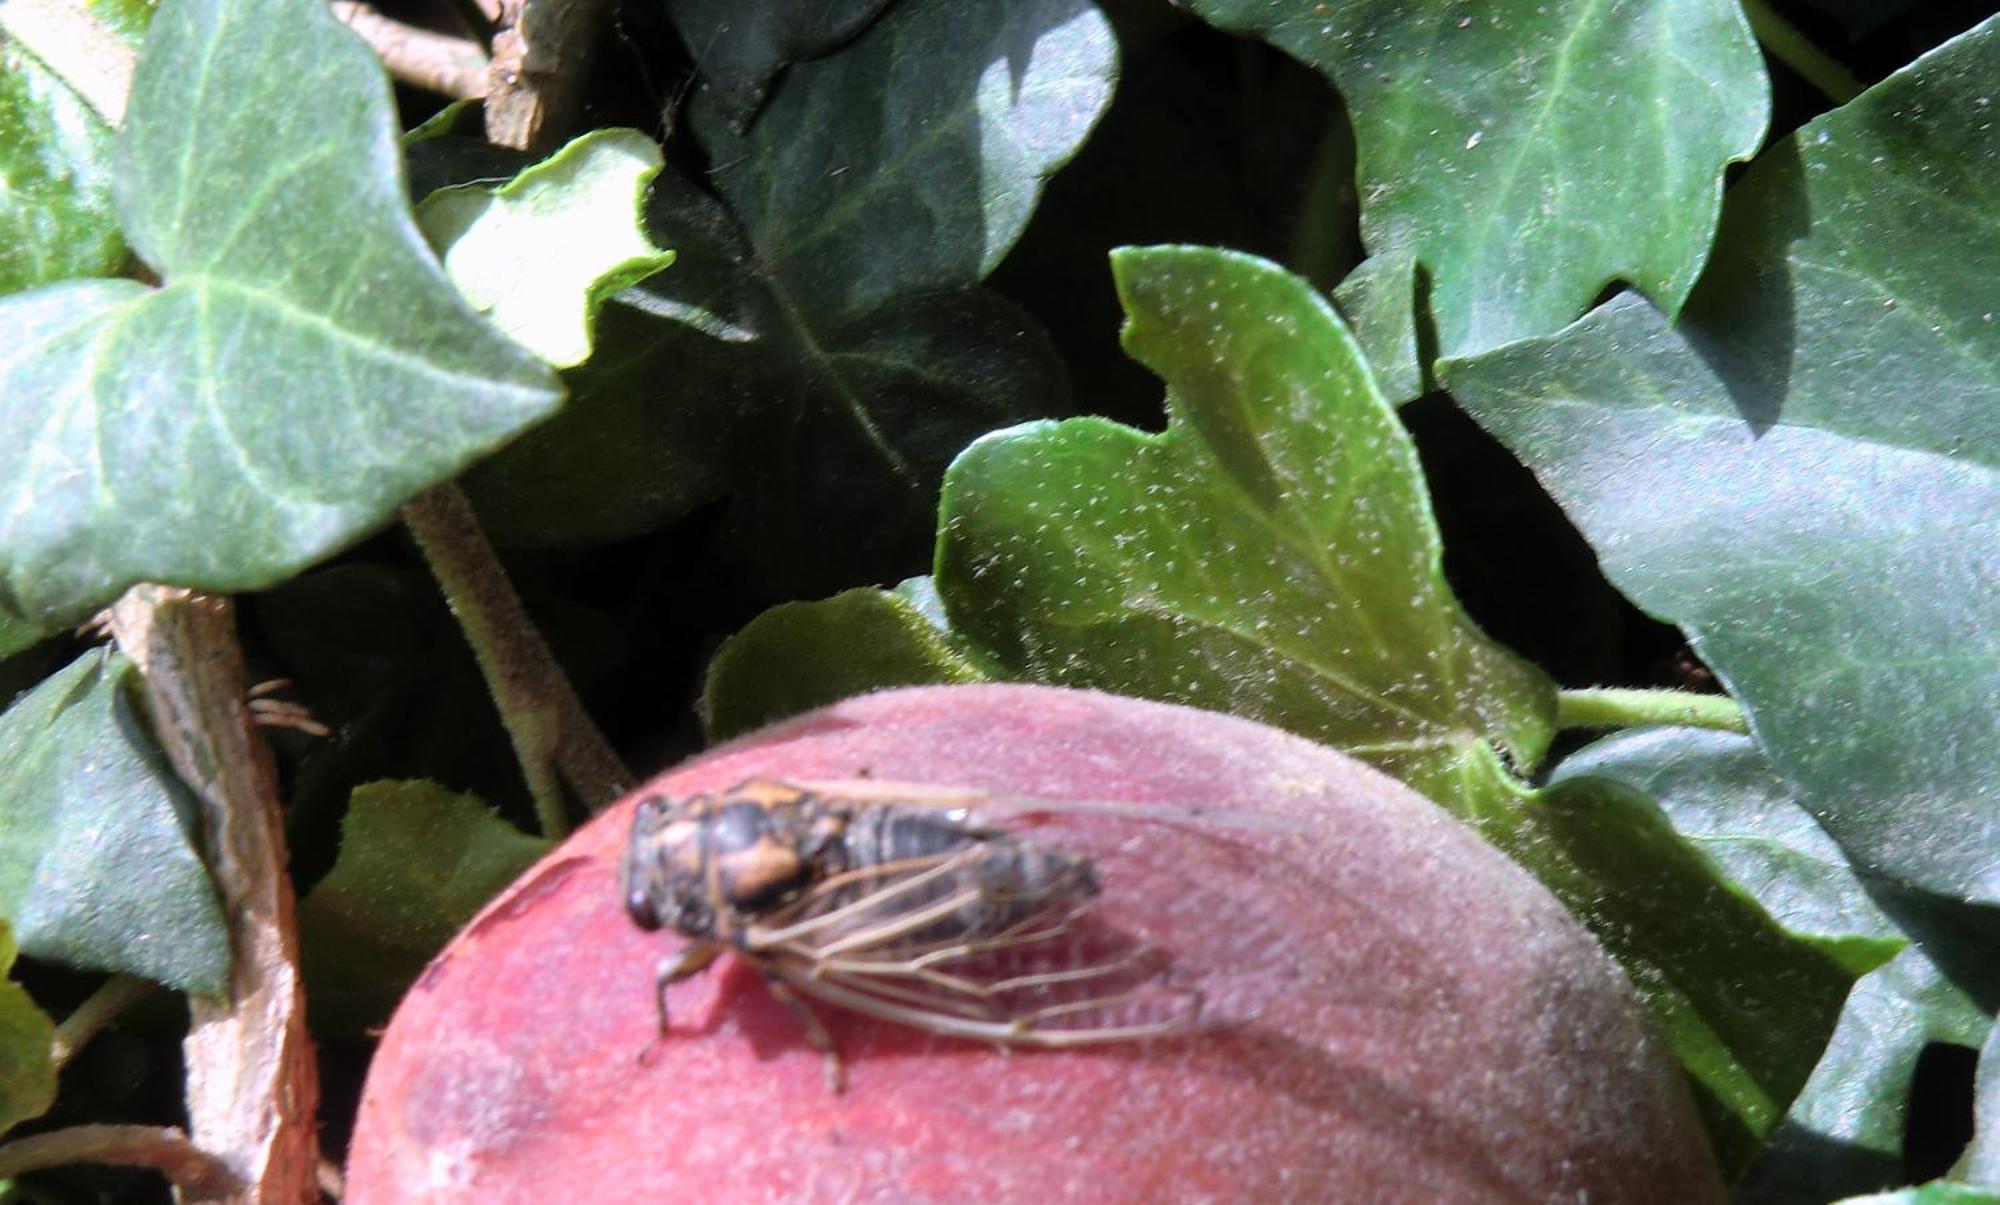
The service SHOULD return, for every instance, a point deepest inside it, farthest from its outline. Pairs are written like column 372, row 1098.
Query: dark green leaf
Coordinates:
column 56, row 217
column 1737, row 918
column 1844, row 1133
column 98, row 866
column 723, row 387
column 738, row 47
column 799, row 656
column 539, row 254
column 416, row 861
column 1803, row 474
column 27, row 1070
column 305, row 366
column 817, row 355
column 910, row 161
column 1271, row 554
column 1526, row 156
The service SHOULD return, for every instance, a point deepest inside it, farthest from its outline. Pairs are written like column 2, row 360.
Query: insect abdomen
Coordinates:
column 1005, row 880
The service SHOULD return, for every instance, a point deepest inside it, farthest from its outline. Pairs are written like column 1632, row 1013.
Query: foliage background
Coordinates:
column 1534, row 404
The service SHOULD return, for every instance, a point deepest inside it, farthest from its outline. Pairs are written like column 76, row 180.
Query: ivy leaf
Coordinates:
column 798, row 656
column 1738, row 919
column 98, row 862
column 1271, row 554
column 540, row 253
column 303, row 369
column 909, row 162
column 711, row 382
column 1805, row 472
column 818, row 353
column 1528, row 156
column 416, row 862
column 56, row 217
column 27, row 1037
column 738, row 47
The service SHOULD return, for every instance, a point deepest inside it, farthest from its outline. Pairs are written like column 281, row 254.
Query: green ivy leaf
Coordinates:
column 1271, row 554
column 539, row 254
column 1528, row 156
column 98, row 862
column 303, row 369
column 1738, row 919
column 910, row 161
column 720, row 386
column 799, row 656
column 416, row 862
column 56, row 216
column 1844, row 1133
column 1827, row 535
column 818, row 353
column 27, row 1036
column 739, row 47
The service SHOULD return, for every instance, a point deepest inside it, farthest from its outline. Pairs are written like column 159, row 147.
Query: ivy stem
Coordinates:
column 98, row 1010
column 545, row 720
column 1795, row 50
column 435, row 62
column 1608, row 707
column 164, row 1148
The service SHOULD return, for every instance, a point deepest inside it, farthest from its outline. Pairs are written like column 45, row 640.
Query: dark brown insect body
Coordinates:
column 897, row 906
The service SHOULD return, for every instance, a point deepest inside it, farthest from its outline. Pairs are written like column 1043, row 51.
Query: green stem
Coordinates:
column 1605, row 707
column 545, row 720
column 1795, row 50
column 98, row 1010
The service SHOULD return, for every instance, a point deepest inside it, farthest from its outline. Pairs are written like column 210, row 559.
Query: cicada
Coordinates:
column 907, row 904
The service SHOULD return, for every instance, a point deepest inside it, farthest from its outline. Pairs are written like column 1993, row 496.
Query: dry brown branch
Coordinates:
column 198, row 1176
column 541, row 58
column 252, row 1088
column 451, row 66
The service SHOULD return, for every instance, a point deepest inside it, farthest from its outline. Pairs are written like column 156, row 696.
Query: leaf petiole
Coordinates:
column 1608, row 707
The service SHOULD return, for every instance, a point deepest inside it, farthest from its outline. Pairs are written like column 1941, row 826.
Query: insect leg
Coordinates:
column 836, row 1071
column 689, row 960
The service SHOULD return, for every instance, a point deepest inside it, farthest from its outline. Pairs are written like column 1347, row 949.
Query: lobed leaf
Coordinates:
column 539, row 254
column 99, row 866
column 1527, row 156
column 1739, row 920
column 1803, row 473
column 1270, row 554
column 304, row 366
column 819, row 352
column 909, row 162
column 416, row 862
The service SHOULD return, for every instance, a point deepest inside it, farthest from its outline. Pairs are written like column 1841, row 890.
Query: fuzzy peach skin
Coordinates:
column 1399, row 1014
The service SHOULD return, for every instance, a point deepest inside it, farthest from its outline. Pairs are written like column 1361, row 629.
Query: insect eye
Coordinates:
column 639, row 902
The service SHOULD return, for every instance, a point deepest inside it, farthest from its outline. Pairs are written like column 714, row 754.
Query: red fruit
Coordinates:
column 1426, row 1022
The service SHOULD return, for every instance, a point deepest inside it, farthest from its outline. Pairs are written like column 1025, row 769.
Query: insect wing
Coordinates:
column 1047, row 960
